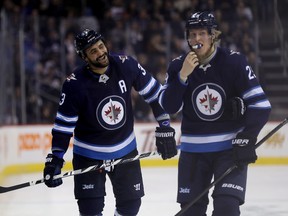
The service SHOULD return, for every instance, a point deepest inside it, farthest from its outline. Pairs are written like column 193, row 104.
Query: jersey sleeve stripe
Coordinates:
column 66, row 118
column 254, row 92
column 261, row 104
column 148, row 87
column 63, row 129
column 154, row 96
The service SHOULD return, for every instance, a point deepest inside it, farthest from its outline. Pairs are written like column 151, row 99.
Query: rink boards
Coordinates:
column 24, row 148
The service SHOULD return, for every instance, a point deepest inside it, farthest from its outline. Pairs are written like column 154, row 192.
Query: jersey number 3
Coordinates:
column 63, row 95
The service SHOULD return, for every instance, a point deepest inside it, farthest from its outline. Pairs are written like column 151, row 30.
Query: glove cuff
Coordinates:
column 163, row 120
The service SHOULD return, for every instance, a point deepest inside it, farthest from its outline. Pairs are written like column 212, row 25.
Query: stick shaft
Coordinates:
column 79, row 171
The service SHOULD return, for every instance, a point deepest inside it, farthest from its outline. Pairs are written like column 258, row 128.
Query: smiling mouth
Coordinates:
column 101, row 58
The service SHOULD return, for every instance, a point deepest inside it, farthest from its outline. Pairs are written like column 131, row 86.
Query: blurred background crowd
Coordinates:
column 37, row 50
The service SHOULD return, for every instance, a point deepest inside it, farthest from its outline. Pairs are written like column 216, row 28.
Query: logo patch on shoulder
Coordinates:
column 71, row 77
column 123, row 58
column 207, row 100
column 111, row 112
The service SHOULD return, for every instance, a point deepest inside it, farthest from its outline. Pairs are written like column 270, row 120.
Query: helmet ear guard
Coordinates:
column 85, row 39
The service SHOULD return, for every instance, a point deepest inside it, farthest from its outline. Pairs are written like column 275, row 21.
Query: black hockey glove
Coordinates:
column 165, row 142
column 236, row 108
column 53, row 166
column 244, row 149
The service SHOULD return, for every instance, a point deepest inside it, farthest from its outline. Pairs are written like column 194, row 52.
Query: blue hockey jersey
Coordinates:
column 206, row 126
column 97, row 109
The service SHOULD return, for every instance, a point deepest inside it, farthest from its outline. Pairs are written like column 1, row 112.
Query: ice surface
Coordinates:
column 267, row 194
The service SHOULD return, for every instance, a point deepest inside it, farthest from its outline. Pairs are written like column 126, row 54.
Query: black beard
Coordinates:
column 98, row 65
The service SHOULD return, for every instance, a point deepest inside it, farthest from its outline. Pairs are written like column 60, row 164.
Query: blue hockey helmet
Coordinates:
column 203, row 19
column 86, row 39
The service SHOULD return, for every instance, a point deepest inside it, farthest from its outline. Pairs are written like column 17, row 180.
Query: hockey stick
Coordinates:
column 229, row 170
column 80, row 171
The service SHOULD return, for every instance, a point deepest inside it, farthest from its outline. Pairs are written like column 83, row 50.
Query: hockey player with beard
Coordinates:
column 223, row 110
column 96, row 107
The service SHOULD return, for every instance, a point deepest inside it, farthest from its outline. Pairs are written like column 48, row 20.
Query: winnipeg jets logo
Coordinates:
column 71, row 77
column 232, row 52
column 207, row 101
column 184, row 190
column 123, row 58
column 111, row 112
column 204, row 67
column 103, row 78
column 177, row 58
column 137, row 187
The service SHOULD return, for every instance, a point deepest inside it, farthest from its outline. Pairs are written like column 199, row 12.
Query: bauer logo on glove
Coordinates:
column 244, row 149
column 240, row 142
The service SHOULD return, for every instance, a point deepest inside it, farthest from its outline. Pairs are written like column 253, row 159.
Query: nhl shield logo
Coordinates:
column 111, row 112
column 207, row 100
